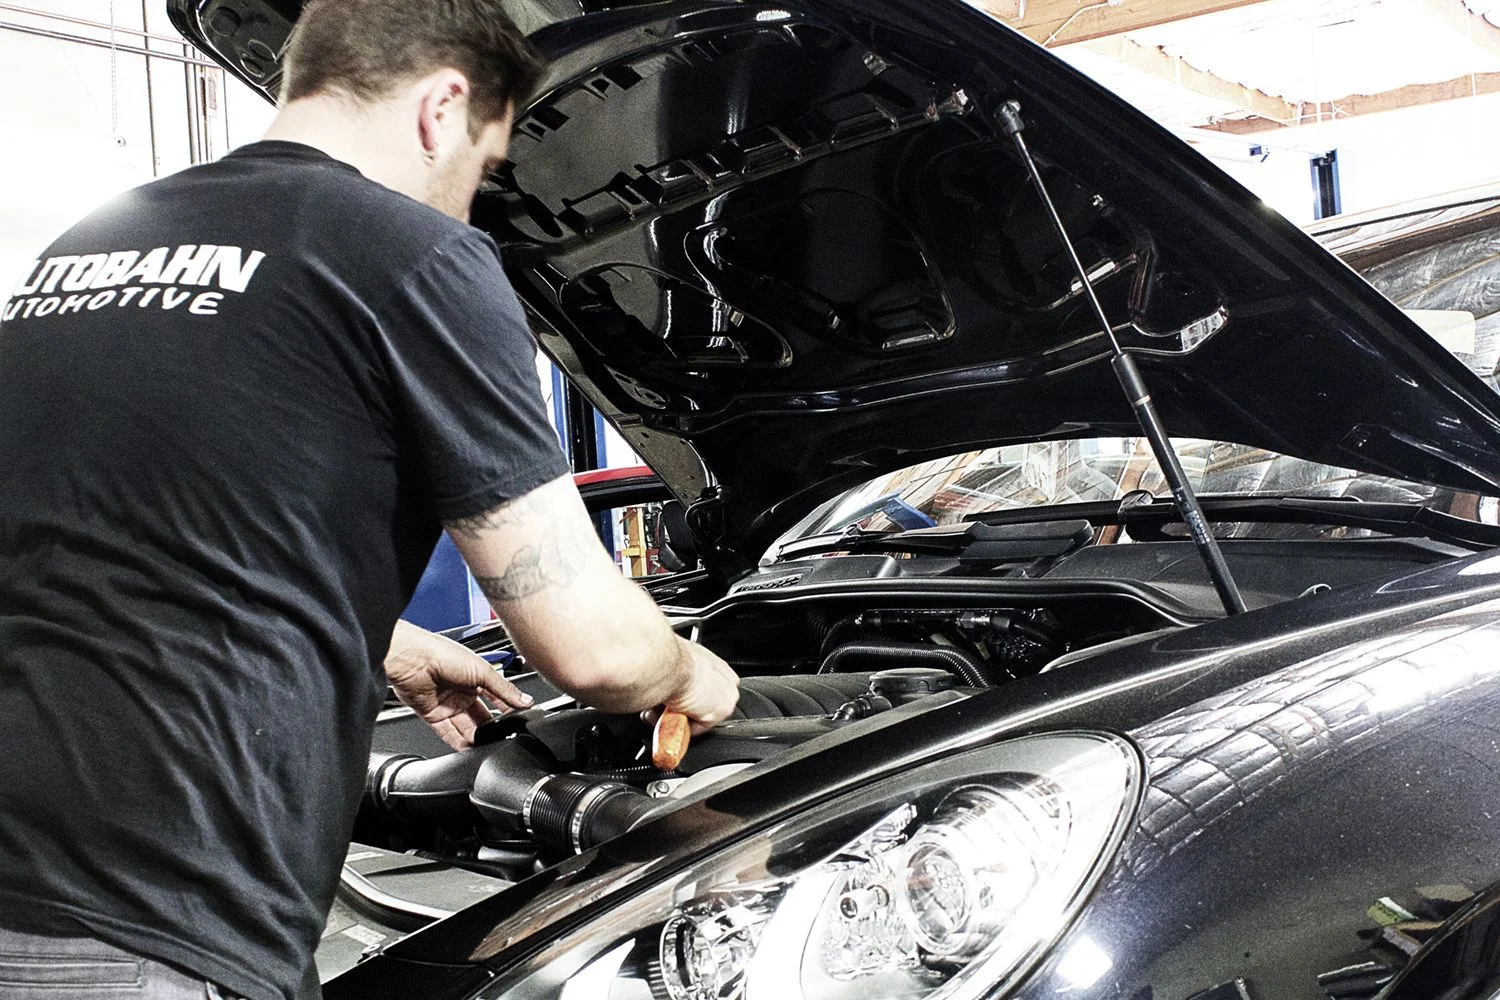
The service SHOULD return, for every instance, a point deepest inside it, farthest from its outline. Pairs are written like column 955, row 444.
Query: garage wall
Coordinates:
column 84, row 121
column 1384, row 159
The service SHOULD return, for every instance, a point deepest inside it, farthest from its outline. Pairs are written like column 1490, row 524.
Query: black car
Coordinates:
column 1001, row 733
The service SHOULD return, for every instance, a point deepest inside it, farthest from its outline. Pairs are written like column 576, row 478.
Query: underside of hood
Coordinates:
column 784, row 247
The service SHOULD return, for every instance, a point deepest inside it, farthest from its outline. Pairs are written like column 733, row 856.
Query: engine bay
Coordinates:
column 821, row 644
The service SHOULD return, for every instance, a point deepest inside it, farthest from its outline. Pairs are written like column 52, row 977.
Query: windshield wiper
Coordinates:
column 1409, row 520
column 1021, row 534
column 851, row 539
column 1405, row 520
column 971, row 542
column 1135, row 389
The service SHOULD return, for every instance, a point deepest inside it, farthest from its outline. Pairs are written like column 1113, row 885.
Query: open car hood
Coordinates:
column 784, row 247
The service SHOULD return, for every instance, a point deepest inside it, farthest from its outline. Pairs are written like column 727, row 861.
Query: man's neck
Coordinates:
column 354, row 134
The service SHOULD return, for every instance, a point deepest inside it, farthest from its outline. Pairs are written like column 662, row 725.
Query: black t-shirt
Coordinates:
column 235, row 405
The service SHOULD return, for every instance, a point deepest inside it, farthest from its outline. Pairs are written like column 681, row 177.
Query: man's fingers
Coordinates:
column 502, row 690
column 452, row 732
column 479, row 712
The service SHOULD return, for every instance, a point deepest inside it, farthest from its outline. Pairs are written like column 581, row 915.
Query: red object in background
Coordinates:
column 948, row 500
column 611, row 475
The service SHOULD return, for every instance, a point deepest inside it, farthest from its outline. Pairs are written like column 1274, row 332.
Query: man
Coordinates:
column 235, row 405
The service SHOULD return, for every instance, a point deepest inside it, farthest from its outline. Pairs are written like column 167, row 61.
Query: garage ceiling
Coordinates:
column 1248, row 66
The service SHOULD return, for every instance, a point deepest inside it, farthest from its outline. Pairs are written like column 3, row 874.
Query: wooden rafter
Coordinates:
column 1469, row 85
column 1456, row 16
column 1061, row 22
column 1174, row 69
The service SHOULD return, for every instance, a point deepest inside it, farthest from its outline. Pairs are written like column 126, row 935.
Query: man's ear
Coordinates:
column 442, row 109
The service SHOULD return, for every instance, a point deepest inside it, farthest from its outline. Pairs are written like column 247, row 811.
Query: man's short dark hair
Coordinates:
column 365, row 48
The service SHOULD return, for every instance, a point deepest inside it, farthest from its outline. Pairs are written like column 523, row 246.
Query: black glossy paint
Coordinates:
column 789, row 243
column 1348, row 786
column 1279, row 812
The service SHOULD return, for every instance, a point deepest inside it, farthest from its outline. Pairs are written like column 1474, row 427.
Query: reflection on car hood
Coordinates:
column 1220, row 754
column 786, row 246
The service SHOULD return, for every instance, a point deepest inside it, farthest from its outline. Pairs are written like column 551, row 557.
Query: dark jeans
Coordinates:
column 33, row 967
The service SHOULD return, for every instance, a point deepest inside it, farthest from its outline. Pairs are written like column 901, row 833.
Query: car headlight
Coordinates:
column 944, row 881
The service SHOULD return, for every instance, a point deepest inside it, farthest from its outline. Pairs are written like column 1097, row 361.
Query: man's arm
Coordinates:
column 576, row 619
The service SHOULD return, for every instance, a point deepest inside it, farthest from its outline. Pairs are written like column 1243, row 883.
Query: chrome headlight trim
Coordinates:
column 947, row 881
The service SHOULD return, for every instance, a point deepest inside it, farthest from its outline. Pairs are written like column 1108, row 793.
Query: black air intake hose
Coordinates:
column 511, row 793
column 565, row 812
column 575, row 811
column 885, row 655
column 421, row 790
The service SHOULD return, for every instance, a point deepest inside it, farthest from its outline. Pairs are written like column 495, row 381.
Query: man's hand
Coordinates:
column 708, row 693
column 443, row 682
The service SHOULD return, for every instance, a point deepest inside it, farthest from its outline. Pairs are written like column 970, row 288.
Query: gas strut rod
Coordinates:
column 1135, row 391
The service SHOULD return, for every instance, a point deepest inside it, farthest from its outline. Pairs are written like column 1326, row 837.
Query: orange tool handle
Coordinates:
column 669, row 741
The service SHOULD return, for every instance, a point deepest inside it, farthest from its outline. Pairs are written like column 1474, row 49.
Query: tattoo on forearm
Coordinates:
column 510, row 513
column 553, row 561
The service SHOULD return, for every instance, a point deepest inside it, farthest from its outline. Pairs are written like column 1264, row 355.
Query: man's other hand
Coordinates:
column 445, row 683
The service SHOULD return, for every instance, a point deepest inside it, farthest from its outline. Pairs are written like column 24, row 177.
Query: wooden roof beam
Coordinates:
column 1416, row 95
column 1062, row 22
column 1174, row 69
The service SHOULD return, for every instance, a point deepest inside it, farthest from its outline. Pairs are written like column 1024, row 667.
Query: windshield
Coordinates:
column 1058, row 472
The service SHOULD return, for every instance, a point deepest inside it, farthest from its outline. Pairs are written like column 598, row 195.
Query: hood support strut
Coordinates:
column 1135, row 390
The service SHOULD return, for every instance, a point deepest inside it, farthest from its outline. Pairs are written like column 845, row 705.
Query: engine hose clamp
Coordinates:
column 581, row 809
column 530, row 800
column 385, row 775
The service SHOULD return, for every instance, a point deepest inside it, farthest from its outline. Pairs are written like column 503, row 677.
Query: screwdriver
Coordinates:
column 669, row 740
